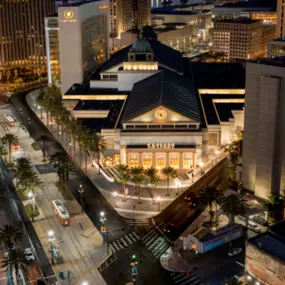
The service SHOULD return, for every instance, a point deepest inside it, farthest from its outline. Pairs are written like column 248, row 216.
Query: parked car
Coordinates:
column 29, row 254
column 253, row 226
column 260, row 220
column 234, row 251
column 170, row 228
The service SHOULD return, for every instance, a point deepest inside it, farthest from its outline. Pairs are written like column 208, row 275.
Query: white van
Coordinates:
column 253, row 226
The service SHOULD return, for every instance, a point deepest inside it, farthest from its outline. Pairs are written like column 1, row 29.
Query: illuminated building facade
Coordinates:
column 126, row 15
column 77, row 41
column 263, row 163
column 241, row 38
column 22, row 37
column 144, row 103
column 280, row 31
column 276, row 47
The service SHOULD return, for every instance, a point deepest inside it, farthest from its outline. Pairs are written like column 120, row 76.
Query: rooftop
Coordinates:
column 166, row 88
column 85, row 89
column 277, row 61
column 273, row 241
column 242, row 20
column 271, row 5
column 218, row 75
column 165, row 55
column 78, row 3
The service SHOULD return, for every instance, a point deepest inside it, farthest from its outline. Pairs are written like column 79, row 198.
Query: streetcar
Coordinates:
column 61, row 212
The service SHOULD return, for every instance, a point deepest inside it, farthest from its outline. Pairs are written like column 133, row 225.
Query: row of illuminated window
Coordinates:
column 162, row 127
column 160, row 160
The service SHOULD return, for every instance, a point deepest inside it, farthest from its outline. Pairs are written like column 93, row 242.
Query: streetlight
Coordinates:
column 115, row 193
column 85, row 283
column 81, row 190
column 51, row 238
column 201, row 166
column 104, row 228
column 158, row 203
column 70, row 144
column 217, row 153
column 31, row 200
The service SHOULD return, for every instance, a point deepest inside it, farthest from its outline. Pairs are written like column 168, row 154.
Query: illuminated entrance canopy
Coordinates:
column 160, row 145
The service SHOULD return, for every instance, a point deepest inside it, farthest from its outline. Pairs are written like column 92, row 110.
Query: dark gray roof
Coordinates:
column 224, row 109
column 85, row 89
column 164, row 54
column 218, row 75
column 165, row 88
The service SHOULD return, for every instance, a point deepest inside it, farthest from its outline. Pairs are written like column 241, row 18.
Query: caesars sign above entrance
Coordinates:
column 68, row 16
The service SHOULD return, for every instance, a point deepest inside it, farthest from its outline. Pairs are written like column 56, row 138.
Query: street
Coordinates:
column 93, row 203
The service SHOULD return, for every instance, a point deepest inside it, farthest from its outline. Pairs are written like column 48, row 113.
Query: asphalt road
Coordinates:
column 12, row 212
column 179, row 213
column 94, row 202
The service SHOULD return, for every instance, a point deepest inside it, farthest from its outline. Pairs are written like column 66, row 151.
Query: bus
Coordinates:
column 61, row 212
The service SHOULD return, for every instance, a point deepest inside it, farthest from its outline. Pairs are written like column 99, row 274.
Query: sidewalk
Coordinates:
column 80, row 244
column 148, row 207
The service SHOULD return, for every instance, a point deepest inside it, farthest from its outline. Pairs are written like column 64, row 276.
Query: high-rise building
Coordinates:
column 276, row 47
column 22, row 36
column 127, row 15
column 241, row 38
column 263, row 164
column 77, row 41
column 280, row 18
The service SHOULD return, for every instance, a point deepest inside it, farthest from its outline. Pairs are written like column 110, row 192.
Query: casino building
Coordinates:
column 155, row 108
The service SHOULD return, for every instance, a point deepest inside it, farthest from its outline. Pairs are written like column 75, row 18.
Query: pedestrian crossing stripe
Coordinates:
column 124, row 242
column 155, row 243
column 186, row 279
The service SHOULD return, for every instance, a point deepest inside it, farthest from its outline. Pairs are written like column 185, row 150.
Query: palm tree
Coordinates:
column 137, row 177
column 209, row 196
column 10, row 235
column 57, row 159
column 169, row 172
column 232, row 281
column 44, row 139
column 136, row 174
column 67, row 168
column 102, row 146
column 14, row 261
column 10, row 139
column 151, row 174
column 23, row 166
column 123, row 177
column 233, row 205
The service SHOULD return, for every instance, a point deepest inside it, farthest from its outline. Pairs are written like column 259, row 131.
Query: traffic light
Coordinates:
column 103, row 229
column 134, row 260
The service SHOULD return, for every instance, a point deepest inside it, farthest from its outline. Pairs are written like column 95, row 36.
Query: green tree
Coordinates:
column 209, row 196
column 10, row 235
column 44, row 139
column 10, row 140
column 232, row 281
column 23, row 166
column 169, row 172
column 67, row 168
column 137, row 177
column 14, row 261
column 123, row 177
column 152, row 177
column 57, row 159
column 233, row 205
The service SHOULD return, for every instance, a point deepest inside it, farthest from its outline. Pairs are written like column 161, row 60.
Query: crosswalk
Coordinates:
column 186, row 279
column 124, row 241
column 137, row 223
column 155, row 242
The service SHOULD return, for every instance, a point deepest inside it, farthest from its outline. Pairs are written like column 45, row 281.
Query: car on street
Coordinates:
column 29, row 254
column 189, row 197
column 254, row 227
column 260, row 220
column 234, row 251
column 170, row 228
